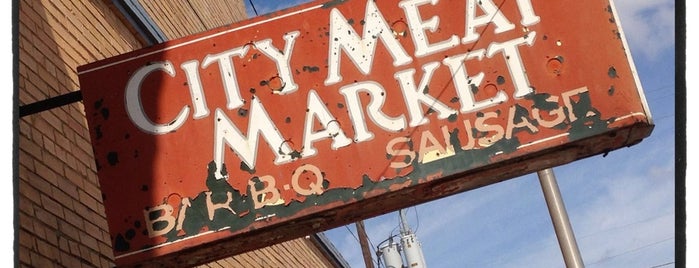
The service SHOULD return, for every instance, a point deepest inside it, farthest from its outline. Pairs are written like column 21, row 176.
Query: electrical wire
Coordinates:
column 370, row 243
column 350, row 231
column 253, row 7
column 664, row 264
column 417, row 219
column 630, row 251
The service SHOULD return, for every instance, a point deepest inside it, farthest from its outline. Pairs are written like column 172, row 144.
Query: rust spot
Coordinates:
column 500, row 80
column 490, row 89
column 276, row 84
column 612, row 72
column 399, row 28
column 555, row 65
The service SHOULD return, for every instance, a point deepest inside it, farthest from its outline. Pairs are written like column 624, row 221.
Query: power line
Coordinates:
column 350, row 231
column 653, row 218
column 358, row 241
column 253, row 7
column 417, row 219
column 664, row 264
column 630, row 251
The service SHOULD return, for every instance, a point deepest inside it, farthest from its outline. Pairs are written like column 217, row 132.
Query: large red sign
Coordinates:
column 315, row 117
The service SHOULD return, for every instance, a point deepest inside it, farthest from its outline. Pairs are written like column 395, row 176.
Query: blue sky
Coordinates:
column 621, row 206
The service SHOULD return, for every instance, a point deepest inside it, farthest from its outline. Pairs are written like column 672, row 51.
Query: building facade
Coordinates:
column 60, row 216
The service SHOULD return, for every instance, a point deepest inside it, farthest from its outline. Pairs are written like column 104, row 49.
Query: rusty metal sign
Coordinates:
column 317, row 116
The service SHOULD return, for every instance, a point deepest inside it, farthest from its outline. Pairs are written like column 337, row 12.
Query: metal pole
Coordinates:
column 364, row 243
column 404, row 229
column 559, row 217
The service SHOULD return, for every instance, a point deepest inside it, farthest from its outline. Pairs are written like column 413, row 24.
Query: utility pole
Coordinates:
column 364, row 243
column 411, row 246
column 559, row 217
column 390, row 253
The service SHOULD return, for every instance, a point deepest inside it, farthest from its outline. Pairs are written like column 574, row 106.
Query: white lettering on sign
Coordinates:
column 415, row 96
column 360, row 51
column 378, row 97
column 226, row 133
column 282, row 60
column 134, row 106
column 230, row 83
column 417, row 27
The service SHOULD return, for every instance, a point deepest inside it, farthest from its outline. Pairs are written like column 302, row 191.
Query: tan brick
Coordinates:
column 62, row 241
column 83, row 210
column 25, row 8
column 50, row 65
column 87, row 199
column 74, row 247
column 74, row 219
column 46, row 218
column 85, row 252
column 89, row 240
column 62, row 141
column 69, row 260
column 39, row 229
column 106, row 249
column 38, row 137
column 40, row 261
column 94, row 257
column 52, row 206
column 92, row 178
column 106, row 263
column 52, row 238
column 47, row 174
column 27, row 209
column 38, row 88
column 60, row 153
column 26, row 59
column 84, row 144
column 106, row 237
column 84, row 159
column 24, row 258
column 24, row 126
column 30, row 148
column 93, row 190
column 53, row 88
column 53, row 162
column 52, row 119
column 44, row 127
column 69, row 231
column 33, row 91
column 93, row 230
column 71, row 164
column 38, row 183
column 25, row 239
column 49, row 146
column 46, row 249
column 28, row 196
column 26, row 163
column 67, row 192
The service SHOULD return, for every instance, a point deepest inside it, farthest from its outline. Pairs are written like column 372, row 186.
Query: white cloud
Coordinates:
column 649, row 25
column 622, row 214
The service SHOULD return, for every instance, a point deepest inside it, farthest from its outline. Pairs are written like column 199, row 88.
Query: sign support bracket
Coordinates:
column 50, row 103
column 559, row 217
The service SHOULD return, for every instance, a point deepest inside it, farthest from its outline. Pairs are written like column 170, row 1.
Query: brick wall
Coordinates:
column 181, row 18
column 61, row 219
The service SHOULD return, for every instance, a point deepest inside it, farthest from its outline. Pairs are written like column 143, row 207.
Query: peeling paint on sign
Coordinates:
column 336, row 111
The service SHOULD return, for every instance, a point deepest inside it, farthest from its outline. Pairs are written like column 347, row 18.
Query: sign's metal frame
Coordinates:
column 318, row 116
